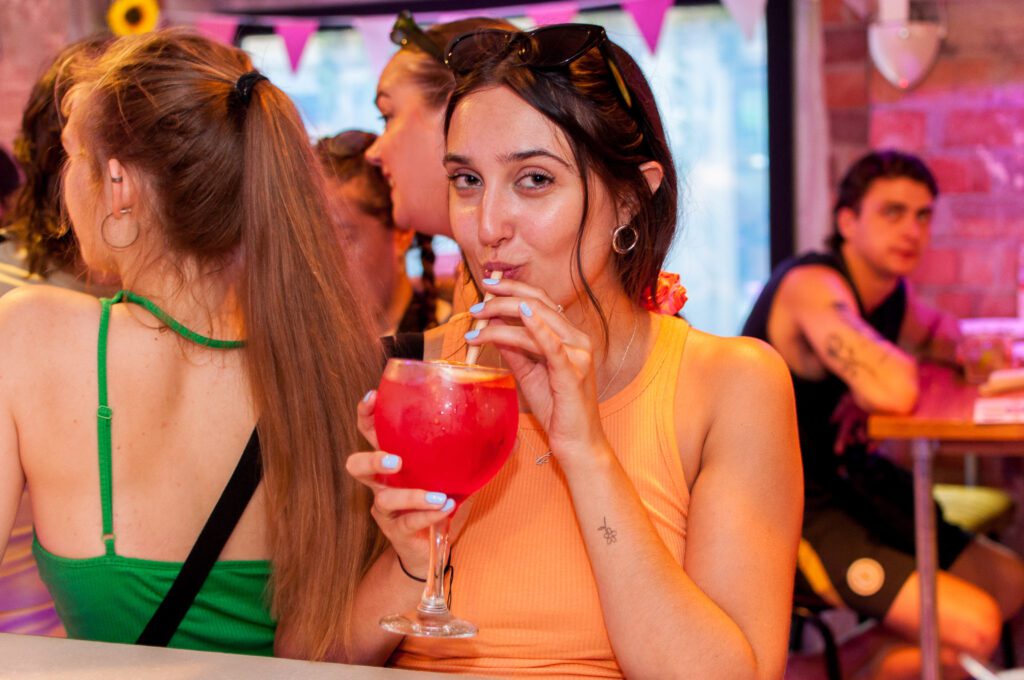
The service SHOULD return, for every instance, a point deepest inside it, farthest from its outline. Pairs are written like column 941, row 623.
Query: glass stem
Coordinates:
column 433, row 600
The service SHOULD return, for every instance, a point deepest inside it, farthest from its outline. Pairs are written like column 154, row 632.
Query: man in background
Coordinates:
column 852, row 330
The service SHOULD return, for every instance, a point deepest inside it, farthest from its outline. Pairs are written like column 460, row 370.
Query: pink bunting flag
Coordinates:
column 376, row 34
column 747, row 13
column 552, row 13
column 295, row 33
column 219, row 27
column 649, row 16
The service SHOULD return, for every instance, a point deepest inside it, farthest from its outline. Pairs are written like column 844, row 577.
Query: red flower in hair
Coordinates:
column 670, row 297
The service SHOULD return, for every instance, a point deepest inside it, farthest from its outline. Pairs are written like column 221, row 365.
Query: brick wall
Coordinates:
column 966, row 119
column 31, row 34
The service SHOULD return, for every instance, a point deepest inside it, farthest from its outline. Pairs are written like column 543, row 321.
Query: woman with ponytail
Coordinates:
column 190, row 178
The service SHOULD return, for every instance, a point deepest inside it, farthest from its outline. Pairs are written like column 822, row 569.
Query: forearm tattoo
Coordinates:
column 610, row 535
column 845, row 353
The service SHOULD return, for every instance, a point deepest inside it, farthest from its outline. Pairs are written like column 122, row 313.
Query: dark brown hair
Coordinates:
column 10, row 179
column 885, row 164
column 342, row 156
column 34, row 221
column 232, row 184
column 607, row 139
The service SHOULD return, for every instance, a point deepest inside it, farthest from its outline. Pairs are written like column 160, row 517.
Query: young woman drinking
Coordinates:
column 646, row 524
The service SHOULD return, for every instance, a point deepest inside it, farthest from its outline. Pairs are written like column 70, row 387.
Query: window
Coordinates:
column 711, row 86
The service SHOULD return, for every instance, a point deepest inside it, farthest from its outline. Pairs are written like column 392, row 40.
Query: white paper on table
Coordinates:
column 1002, row 380
column 996, row 410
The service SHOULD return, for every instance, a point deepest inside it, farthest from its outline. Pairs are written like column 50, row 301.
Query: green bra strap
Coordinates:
column 104, row 414
column 103, row 418
column 177, row 327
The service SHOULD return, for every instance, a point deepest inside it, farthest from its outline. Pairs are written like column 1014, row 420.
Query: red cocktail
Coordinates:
column 454, row 426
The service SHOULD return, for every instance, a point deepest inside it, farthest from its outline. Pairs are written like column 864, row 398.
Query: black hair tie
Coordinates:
column 245, row 84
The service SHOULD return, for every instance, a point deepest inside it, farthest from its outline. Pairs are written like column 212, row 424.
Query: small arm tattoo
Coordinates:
column 845, row 352
column 845, row 355
column 610, row 535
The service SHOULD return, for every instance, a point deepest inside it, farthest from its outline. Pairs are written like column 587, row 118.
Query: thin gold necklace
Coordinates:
column 622, row 361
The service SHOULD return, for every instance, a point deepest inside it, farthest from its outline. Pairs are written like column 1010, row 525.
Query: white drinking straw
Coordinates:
column 473, row 353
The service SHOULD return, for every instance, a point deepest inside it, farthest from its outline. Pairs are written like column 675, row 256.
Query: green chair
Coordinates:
column 981, row 510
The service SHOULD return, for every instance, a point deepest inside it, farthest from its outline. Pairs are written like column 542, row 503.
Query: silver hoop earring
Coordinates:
column 103, row 231
column 632, row 237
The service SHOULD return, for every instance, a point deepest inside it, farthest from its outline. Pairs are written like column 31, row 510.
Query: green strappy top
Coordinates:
column 111, row 598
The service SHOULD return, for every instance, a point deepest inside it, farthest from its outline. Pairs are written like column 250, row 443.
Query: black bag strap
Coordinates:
column 221, row 523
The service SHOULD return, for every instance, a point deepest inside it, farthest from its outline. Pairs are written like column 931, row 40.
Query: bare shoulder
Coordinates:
column 33, row 319
column 730, row 365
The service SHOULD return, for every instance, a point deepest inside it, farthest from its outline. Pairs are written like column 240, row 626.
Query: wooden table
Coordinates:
column 27, row 656
column 944, row 417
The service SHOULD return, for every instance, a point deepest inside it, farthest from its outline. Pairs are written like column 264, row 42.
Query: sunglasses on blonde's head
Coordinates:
column 406, row 31
column 548, row 47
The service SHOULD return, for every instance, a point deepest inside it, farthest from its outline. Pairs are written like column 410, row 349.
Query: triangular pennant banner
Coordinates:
column 376, row 33
column 219, row 27
column 295, row 33
column 553, row 13
column 649, row 16
column 747, row 13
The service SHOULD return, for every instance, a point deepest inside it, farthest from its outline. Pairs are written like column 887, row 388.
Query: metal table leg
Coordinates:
column 927, row 558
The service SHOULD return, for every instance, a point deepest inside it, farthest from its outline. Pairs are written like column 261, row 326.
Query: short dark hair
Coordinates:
column 884, row 164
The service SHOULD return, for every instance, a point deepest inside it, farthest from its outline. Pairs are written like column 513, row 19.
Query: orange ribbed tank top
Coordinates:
column 521, row 571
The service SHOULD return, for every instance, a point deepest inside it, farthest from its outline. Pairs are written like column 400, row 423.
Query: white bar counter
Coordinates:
column 24, row 657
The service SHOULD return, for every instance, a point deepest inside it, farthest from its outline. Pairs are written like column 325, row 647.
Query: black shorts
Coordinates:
column 860, row 547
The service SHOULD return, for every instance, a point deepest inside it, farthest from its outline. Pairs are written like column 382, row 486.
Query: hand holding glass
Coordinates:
column 454, row 426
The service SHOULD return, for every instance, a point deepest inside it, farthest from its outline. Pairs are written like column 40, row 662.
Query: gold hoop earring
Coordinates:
column 632, row 238
column 111, row 244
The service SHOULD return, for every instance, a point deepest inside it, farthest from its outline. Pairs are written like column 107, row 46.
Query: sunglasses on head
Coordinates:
column 548, row 47
column 406, row 31
column 348, row 144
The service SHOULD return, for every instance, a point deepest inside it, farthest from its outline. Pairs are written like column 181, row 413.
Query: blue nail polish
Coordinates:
column 525, row 309
column 436, row 497
column 448, row 505
column 390, row 461
column 490, row 282
column 476, row 308
column 366, row 397
column 471, row 334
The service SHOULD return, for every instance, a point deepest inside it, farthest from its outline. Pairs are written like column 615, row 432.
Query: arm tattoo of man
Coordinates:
column 844, row 352
column 610, row 535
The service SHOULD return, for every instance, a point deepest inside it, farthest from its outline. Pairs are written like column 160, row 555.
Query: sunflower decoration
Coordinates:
column 132, row 17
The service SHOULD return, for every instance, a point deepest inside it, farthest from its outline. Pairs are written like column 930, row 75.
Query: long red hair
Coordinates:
column 233, row 185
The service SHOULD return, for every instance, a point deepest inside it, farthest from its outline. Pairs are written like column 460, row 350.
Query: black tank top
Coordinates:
column 816, row 400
